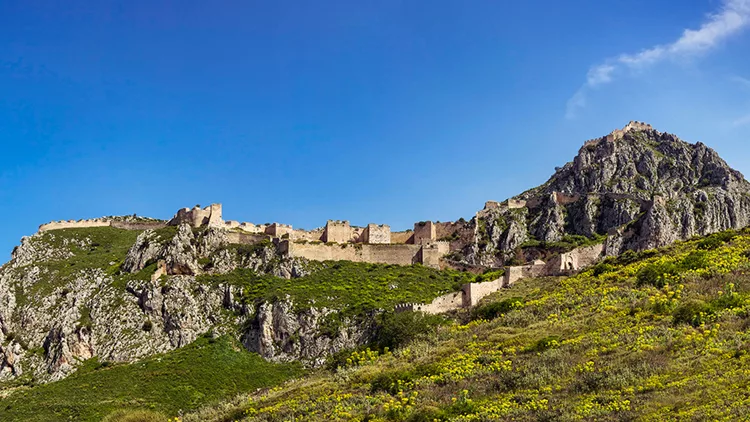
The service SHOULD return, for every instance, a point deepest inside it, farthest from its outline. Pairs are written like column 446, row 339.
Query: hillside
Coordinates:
column 207, row 309
column 659, row 335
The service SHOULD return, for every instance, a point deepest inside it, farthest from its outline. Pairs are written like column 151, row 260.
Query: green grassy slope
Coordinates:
column 661, row 335
column 205, row 371
column 351, row 287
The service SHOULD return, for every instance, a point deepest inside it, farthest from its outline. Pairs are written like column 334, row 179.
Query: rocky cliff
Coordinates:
column 639, row 187
column 67, row 296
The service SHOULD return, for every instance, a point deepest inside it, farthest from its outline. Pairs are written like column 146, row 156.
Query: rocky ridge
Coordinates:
column 48, row 329
column 639, row 187
column 634, row 189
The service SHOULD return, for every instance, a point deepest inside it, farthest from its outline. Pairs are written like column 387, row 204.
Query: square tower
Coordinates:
column 424, row 232
column 378, row 234
column 337, row 231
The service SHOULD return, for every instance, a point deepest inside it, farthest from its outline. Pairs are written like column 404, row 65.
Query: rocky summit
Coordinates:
column 636, row 188
column 123, row 289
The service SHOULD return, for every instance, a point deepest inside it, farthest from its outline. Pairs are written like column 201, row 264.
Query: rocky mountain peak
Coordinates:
column 639, row 160
column 639, row 187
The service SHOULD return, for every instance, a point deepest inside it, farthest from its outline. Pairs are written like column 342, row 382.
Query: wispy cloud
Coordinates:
column 744, row 82
column 732, row 18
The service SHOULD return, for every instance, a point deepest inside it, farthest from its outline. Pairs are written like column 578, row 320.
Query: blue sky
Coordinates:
column 371, row 111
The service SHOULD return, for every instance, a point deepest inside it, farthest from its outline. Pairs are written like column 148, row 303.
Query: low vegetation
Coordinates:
column 353, row 288
column 149, row 390
column 660, row 335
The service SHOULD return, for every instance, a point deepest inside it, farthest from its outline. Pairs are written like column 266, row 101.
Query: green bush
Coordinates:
column 398, row 329
column 694, row 312
column 656, row 274
column 602, row 268
column 495, row 309
column 549, row 342
column 716, row 240
column 695, row 260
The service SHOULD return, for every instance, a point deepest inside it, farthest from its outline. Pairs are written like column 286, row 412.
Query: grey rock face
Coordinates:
column 642, row 188
column 47, row 332
column 281, row 335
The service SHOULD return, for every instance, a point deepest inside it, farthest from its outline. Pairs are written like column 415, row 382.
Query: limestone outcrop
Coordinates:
column 639, row 187
column 48, row 327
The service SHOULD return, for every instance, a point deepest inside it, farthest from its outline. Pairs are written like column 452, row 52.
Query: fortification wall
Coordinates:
column 323, row 252
column 311, row 236
column 516, row 203
column 246, row 238
column 197, row 217
column 445, row 303
column 391, row 254
column 377, row 234
column 150, row 225
column 73, row 224
column 474, row 292
column 337, row 231
column 575, row 260
column 402, row 237
column 214, row 216
column 469, row 295
column 279, row 230
column 515, row 273
column 424, row 232
column 489, row 205
column 384, row 254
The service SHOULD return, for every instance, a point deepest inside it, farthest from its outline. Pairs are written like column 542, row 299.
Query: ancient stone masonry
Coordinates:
column 102, row 222
column 380, row 234
column 471, row 293
column 197, row 217
column 73, row 224
column 277, row 230
column 424, row 232
column 337, row 231
column 620, row 133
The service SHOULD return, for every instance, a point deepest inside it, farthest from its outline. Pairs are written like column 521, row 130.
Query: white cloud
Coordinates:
column 733, row 17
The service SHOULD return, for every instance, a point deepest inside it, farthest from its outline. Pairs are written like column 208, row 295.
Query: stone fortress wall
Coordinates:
column 73, row 224
column 471, row 293
column 616, row 134
column 338, row 240
column 101, row 222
